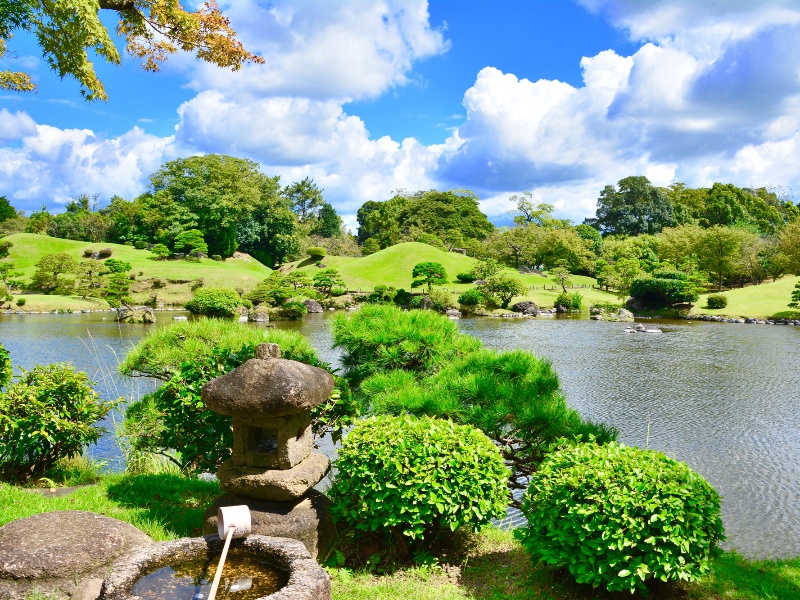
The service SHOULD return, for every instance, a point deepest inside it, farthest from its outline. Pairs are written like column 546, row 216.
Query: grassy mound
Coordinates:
column 246, row 272
column 765, row 300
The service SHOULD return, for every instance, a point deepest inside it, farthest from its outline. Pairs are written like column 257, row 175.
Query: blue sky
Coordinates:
column 368, row 96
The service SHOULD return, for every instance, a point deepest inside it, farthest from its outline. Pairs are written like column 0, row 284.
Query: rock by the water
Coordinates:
column 526, row 308
column 274, row 484
column 453, row 313
column 57, row 552
column 313, row 306
column 624, row 315
column 259, row 314
column 561, row 309
column 135, row 314
column 276, row 387
column 307, row 519
column 426, row 303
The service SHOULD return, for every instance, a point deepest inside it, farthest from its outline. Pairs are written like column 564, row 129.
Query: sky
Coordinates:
column 556, row 97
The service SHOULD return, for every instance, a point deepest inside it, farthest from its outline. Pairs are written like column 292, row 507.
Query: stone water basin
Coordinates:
column 257, row 568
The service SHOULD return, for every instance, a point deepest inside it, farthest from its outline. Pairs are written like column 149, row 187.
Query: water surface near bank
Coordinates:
column 725, row 398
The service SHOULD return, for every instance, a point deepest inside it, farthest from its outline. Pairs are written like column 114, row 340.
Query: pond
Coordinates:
column 724, row 398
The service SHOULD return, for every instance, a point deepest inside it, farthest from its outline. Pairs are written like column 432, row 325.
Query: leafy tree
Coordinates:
column 328, row 223
column 191, row 241
column 560, row 275
column 37, row 222
column 117, row 289
column 214, row 194
column 485, row 269
column 590, row 234
column 428, row 273
column 6, row 210
column 81, row 221
column 273, row 290
column 304, row 198
column 298, row 279
column 453, row 239
column 6, row 370
column 795, row 303
column 370, row 246
column 504, row 286
column 68, row 31
column 48, row 270
column 635, row 208
column 161, row 251
column 362, row 214
column 325, row 281
column 789, row 247
column 537, row 214
column 720, row 248
column 5, row 246
column 270, row 234
column 89, row 277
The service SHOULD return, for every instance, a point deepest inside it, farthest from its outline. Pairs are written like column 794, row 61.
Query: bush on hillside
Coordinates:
column 411, row 477
column 471, row 297
column 214, row 302
column 466, row 277
column 663, row 288
column 49, row 413
column 5, row 367
column 21, row 302
column 140, row 244
column 717, row 301
column 316, row 252
column 621, row 517
column 161, row 251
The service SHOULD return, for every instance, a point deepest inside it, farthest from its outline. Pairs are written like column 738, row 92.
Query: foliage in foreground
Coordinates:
column 413, row 476
column 621, row 517
column 174, row 422
column 50, row 412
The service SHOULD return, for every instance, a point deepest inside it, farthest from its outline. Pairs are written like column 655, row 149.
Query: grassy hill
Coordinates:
column 244, row 273
column 765, row 300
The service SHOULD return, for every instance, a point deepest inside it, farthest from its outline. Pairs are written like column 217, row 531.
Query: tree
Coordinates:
column 115, row 265
column 504, row 287
column 720, row 248
column 304, row 197
column 370, row 246
column 298, row 279
column 636, row 208
column 485, row 269
column 153, row 29
column 795, row 303
column 326, row 280
column 161, row 251
column 5, row 247
column 538, row 214
column 560, row 275
column 429, row 273
column 363, row 213
column 48, row 270
column 88, row 280
column 789, row 247
column 6, row 210
column 328, row 223
column 191, row 241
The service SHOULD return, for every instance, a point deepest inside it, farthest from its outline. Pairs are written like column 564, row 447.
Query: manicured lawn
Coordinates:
column 491, row 566
column 41, row 302
column 765, row 300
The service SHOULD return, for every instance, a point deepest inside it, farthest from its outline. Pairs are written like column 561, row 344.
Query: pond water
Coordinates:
column 724, row 398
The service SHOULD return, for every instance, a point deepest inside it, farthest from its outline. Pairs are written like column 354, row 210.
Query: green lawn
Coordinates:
column 765, row 300
column 492, row 566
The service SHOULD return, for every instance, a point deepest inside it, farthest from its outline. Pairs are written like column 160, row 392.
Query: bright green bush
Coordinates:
column 572, row 301
column 316, row 252
column 161, row 251
column 293, row 310
column 413, row 476
column 5, row 367
column 441, row 300
column 717, row 301
column 49, row 413
column 471, row 297
column 664, row 288
column 382, row 294
column 214, row 302
column 21, row 302
column 466, row 277
column 140, row 244
column 383, row 337
column 621, row 517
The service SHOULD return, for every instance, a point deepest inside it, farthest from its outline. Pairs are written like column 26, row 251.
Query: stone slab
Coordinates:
column 274, row 484
column 307, row 520
column 56, row 552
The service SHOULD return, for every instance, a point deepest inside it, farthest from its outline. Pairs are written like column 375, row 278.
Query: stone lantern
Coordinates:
column 273, row 468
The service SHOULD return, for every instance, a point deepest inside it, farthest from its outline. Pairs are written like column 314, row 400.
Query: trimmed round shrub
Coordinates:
column 316, row 252
column 293, row 310
column 413, row 476
column 471, row 297
column 161, row 251
column 216, row 257
column 50, row 412
column 140, row 244
column 21, row 302
column 214, row 302
column 717, row 301
column 466, row 277
column 621, row 517
column 572, row 301
column 663, row 288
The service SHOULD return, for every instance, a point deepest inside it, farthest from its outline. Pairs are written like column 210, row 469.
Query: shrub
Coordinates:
column 158, row 283
column 316, row 252
column 216, row 257
column 505, row 287
column 49, row 413
column 105, row 252
column 466, row 277
column 441, row 300
column 410, row 476
column 621, row 517
column 471, row 297
column 161, row 251
column 88, row 252
column 197, row 284
column 5, row 367
column 140, row 244
column 382, row 294
column 486, row 269
column 214, row 302
column 127, row 243
column 21, row 302
column 402, row 298
column 717, row 301
column 293, row 310
column 572, row 301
